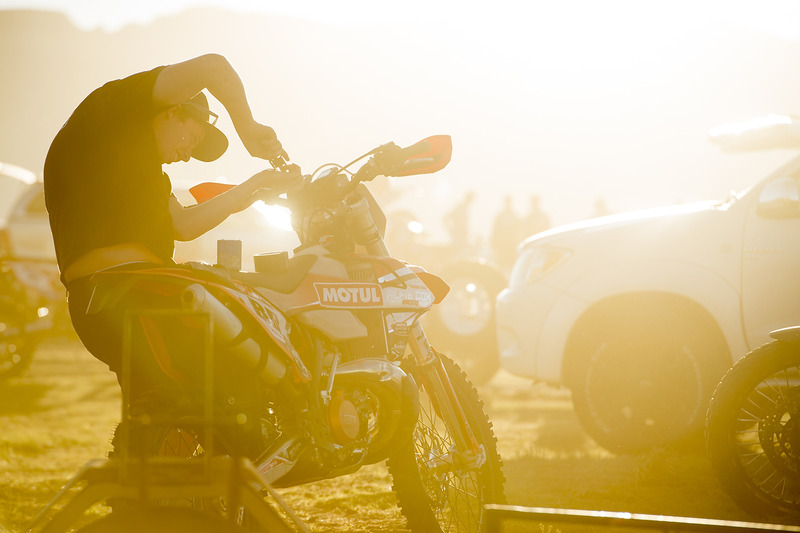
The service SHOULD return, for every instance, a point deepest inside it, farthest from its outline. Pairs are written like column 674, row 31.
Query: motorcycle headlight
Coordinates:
column 534, row 263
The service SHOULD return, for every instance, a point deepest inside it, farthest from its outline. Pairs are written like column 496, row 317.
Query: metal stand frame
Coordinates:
column 235, row 480
column 147, row 480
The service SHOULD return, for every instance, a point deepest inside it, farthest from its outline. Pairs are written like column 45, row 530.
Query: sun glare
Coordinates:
column 275, row 215
column 415, row 227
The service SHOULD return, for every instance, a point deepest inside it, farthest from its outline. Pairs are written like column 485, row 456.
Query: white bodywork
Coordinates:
column 737, row 259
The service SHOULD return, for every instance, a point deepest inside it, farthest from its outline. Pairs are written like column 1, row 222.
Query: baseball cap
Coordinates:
column 214, row 142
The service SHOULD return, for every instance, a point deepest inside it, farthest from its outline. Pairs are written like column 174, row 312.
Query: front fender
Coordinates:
column 435, row 284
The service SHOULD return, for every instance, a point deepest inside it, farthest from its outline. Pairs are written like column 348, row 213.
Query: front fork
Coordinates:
column 468, row 453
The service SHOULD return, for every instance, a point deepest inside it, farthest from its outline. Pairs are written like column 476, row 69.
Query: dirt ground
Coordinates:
column 62, row 414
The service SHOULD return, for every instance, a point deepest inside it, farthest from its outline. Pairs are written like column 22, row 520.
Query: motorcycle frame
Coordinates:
column 281, row 457
column 434, row 376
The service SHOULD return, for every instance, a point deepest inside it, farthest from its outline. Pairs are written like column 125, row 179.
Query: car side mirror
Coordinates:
column 780, row 199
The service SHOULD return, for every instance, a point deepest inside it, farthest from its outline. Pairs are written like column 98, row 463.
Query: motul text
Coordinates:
column 349, row 294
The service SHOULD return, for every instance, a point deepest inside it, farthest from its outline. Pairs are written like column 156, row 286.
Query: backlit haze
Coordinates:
column 570, row 100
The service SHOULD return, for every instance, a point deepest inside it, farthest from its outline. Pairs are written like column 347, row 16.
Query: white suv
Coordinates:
column 641, row 314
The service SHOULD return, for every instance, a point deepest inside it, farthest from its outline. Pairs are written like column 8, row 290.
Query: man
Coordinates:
column 456, row 222
column 109, row 202
column 505, row 235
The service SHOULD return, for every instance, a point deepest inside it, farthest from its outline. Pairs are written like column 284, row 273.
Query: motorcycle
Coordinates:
column 320, row 362
column 32, row 307
column 753, row 429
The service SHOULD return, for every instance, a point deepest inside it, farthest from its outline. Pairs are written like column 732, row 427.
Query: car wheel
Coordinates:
column 463, row 324
column 645, row 378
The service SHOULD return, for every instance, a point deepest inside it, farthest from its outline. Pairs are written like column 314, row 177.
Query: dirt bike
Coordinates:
column 753, row 429
column 32, row 306
column 321, row 363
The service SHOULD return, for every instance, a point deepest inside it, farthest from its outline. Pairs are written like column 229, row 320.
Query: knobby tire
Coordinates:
column 753, row 431
column 446, row 501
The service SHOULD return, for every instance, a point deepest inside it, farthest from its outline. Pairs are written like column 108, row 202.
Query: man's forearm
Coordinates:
column 191, row 222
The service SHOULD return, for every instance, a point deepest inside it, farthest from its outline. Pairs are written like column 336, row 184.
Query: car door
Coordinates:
column 771, row 256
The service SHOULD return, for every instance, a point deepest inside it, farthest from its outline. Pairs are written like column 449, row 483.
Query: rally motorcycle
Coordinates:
column 753, row 429
column 320, row 361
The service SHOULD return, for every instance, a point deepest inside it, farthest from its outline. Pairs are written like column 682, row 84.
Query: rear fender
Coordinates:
column 259, row 314
column 112, row 287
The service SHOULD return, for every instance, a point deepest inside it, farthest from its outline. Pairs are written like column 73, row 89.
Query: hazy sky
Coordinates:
column 780, row 17
column 570, row 86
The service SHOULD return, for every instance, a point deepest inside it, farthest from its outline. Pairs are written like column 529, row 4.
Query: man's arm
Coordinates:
column 191, row 222
column 179, row 82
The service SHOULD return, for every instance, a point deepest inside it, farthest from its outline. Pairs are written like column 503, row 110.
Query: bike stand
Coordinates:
column 496, row 515
column 147, row 482
column 162, row 479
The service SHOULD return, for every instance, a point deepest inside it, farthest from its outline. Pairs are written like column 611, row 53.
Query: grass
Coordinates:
column 53, row 420
column 63, row 412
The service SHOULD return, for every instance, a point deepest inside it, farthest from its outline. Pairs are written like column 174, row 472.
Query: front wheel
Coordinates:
column 434, row 493
column 753, row 431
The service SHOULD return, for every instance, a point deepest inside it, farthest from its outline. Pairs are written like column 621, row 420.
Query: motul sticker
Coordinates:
column 349, row 294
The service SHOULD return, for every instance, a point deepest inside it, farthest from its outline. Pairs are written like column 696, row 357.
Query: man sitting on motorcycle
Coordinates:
column 109, row 202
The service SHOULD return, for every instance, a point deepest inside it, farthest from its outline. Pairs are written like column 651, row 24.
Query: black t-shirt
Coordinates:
column 103, row 180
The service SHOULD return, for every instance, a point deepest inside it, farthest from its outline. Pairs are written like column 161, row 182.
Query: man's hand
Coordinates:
column 278, row 181
column 261, row 141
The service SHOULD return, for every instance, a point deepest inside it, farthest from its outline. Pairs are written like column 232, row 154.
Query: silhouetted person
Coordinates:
column 536, row 220
column 506, row 235
column 600, row 208
column 456, row 222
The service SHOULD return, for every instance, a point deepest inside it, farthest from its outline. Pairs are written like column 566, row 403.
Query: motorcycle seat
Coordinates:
column 284, row 281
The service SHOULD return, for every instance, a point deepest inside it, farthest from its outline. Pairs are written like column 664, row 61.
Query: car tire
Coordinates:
column 645, row 376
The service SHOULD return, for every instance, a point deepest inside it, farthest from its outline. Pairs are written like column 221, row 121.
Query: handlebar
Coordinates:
column 426, row 156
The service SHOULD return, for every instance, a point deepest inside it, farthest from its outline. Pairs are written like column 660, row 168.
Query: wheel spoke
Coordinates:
column 453, row 496
column 762, row 423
